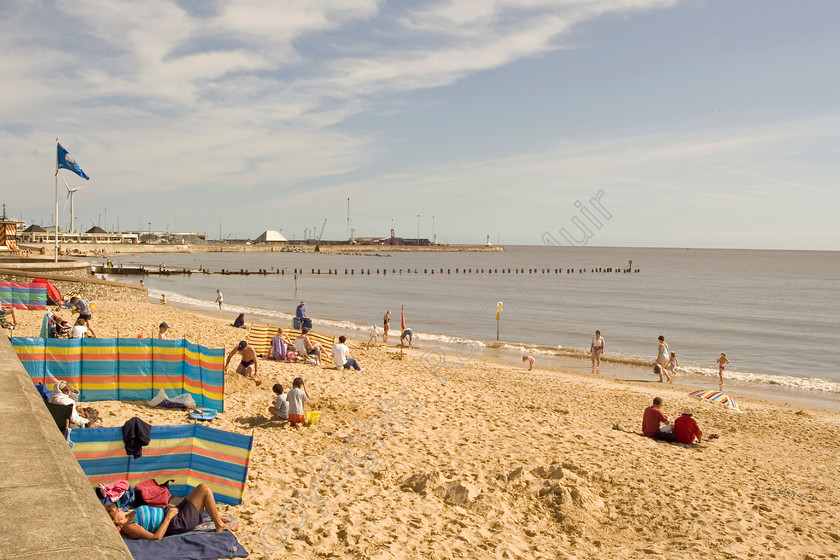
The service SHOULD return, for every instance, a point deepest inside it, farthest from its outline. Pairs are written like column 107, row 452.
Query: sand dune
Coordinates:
column 484, row 460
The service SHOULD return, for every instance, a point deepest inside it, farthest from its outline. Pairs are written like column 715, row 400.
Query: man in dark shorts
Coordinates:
column 81, row 307
column 248, row 365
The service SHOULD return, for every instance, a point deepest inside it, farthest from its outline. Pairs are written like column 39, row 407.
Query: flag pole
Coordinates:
column 56, row 200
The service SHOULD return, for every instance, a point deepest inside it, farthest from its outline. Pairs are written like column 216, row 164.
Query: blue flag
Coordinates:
column 66, row 161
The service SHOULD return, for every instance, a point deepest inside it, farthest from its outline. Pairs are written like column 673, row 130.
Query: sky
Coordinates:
column 651, row 123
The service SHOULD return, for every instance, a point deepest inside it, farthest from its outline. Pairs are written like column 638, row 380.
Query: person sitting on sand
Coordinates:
column 248, row 365
column 239, row 322
column 653, row 418
column 62, row 395
column 341, row 355
column 278, row 350
column 296, row 397
column 313, row 348
column 280, row 410
column 162, row 330
column 686, row 429
column 530, row 360
column 81, row 329
column 154, row 523
column 407, row 333
column 5, row 313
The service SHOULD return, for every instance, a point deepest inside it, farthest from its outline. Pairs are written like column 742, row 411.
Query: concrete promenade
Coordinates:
column 47, row 507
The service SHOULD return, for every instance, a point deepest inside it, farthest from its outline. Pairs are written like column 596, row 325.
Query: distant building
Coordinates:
column 38, row 235
column 271, row 236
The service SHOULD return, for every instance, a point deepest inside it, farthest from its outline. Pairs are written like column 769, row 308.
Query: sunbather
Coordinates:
column 153, row 523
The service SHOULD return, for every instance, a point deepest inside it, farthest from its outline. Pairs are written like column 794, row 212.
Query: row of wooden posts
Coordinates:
column 384, row 271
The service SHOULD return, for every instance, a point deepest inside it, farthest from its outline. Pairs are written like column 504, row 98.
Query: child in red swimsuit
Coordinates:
column 722, row 361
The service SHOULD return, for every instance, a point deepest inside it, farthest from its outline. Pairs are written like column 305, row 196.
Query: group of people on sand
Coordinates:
column 656, row 425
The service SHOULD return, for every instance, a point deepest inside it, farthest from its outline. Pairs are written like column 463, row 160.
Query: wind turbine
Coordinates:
column 70, row 195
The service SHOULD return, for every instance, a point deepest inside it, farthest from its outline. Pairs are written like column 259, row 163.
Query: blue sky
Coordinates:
column 704, row 123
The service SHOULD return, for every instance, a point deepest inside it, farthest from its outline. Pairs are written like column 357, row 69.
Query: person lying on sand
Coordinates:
column 154, row 523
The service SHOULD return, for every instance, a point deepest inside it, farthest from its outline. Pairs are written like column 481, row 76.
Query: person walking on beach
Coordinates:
column 248, row 365
column 653, row 418
column 721, row 362
column 596, row 349
column 386, row 324
column 672, row 365
column 661, row 358
column 81, row 307
column 219, row 299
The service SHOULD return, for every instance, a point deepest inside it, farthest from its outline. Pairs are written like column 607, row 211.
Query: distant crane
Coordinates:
column 350, row 225
column 320, row 235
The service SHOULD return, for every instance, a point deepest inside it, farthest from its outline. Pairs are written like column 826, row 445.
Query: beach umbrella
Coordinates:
column 402, row 317
column 721, row 399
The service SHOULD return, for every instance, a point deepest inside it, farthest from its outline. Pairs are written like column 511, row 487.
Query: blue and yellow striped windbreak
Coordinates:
column 190, row 454
column 127, row 369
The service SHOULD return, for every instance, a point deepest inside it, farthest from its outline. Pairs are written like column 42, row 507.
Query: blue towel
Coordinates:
column 192, row 546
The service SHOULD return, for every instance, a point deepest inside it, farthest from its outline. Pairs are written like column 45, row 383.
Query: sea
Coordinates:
column 776, row 314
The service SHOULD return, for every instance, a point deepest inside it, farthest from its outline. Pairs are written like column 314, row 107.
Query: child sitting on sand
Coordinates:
column 296, row 397
column 280, row 410
column 530, row 360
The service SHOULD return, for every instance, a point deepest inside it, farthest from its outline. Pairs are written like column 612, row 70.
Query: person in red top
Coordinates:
column 652, row 419
column 686, row 429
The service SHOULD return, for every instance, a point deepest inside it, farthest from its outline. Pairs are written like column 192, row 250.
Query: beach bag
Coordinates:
column 154, row 494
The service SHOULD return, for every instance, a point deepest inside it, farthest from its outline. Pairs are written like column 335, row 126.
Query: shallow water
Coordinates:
column 776, row 314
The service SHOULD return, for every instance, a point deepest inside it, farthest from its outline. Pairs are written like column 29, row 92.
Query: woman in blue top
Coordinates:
column 154, row 523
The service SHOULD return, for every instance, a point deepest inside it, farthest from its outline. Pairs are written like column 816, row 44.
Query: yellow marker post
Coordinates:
column 498, row 319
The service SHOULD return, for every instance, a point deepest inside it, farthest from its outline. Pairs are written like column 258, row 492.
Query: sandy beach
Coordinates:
column 466, row 458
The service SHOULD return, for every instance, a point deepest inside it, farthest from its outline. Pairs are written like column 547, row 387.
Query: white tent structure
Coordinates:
column 271, row 236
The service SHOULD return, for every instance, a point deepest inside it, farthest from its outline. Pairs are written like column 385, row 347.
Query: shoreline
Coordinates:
column 503, row 353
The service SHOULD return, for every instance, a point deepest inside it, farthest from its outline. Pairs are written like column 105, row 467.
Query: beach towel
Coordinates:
column 192, row 546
